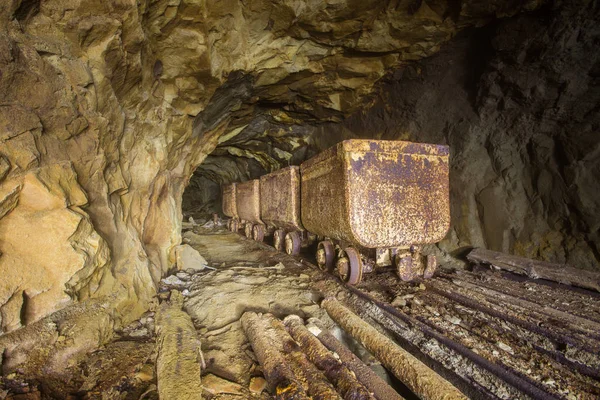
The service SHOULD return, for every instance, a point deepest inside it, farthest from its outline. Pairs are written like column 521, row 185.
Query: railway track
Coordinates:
column 489, row 334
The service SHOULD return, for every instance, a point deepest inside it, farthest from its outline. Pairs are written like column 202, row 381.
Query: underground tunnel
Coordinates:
column 131, row 133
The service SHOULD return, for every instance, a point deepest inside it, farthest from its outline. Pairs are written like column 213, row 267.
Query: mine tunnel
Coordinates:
column 299, row 200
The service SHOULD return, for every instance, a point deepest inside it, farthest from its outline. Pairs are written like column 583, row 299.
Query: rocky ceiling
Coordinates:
column 108, row 107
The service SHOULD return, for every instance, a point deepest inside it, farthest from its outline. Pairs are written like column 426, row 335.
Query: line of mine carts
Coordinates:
column 365, row 203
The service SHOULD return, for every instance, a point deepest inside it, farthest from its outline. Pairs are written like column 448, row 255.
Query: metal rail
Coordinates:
column 505, row 373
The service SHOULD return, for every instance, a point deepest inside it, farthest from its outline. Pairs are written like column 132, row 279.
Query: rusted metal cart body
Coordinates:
column 230, row 206
column 382, row 199
column 248, row 205
column 229, row 202
column 280, row 199
column 280, row 209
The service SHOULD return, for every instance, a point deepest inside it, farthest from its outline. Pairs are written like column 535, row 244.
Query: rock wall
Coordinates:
column 107, row 107
column 94, row 159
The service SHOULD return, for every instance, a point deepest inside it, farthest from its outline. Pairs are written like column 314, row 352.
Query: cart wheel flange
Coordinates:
column 292, row 243
column 350, row 266
column 279, row 239
column 404, row 268
column 258, row 232
column 430, row 267
column 248, row 230
column 325, row 255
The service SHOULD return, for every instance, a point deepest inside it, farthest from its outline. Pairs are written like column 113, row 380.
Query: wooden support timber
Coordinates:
column 269, row 352
column 313, row 380
column 179, row 361
column 537, row 269
column 336, row 372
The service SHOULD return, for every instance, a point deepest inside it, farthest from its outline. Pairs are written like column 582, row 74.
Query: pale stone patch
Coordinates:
column 216, row 385
column 189, row 258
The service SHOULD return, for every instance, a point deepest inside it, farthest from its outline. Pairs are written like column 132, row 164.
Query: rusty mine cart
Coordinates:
column 247, row 198
column 375, row 203
column 369, row 202
column 230, row 207
column 280, row 209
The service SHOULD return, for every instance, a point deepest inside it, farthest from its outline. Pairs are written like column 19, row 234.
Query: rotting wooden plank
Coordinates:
column 313, row 380
column 380, row 389
column 419, row 378
column 179, row 360
column 269, row 352
column 537, row 269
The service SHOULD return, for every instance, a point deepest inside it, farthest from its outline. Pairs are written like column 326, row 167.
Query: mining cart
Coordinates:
column 230, row 207
column 280, row 210
column 247, row 198
column 375, row 203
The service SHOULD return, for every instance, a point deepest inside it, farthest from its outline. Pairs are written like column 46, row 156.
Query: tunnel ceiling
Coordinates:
column 108, row 107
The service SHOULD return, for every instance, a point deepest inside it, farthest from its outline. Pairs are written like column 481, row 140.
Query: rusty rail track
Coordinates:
column 505, row 373
column 589, row 343
column 571, row 353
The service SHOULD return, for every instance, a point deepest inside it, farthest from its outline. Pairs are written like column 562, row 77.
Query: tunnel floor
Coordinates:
column 462, row 323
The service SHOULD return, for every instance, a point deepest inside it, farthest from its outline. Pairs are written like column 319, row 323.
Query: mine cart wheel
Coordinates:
column 292, row 243
column 430, row 267
column 234, row 226
column 405, row 268
column 350, row 266
column 325, row 255
column 248, row 230
column 258, row 232
column 279, row 239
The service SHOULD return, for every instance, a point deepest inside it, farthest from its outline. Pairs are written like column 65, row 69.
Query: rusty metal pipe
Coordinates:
column 313, row 380
column 344, row 379
column 269, row 352
column 380, row 389
column 419, row 378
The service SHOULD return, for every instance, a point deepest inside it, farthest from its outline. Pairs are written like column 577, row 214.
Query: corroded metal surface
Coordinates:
column 505, row 336
column 376, row 193
column 248, row 200
column 229, row 202
column 280, row 199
